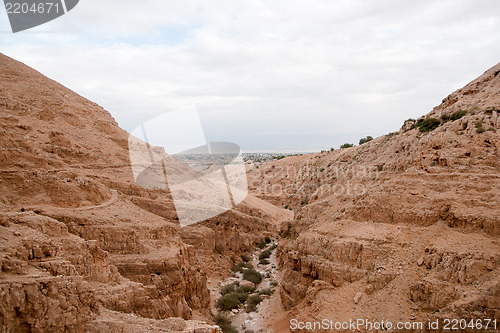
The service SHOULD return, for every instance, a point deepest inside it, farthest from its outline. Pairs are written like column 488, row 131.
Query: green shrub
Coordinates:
column 224, row 323
column 445, row 118
column 274, row 283
column 242, row 296
column 365, row 140
column 228, row 302
column 427, row 124
column 245, row 289
column 252, row 303
column 267, row 240
column 245, row 258
column 273, row 247
column 229, row 288
column 252, row 275
column 346, row 145
column 479, row 127
column 240, row 266
column 457, row 115
column 261, row 245
column 265, row 254
column 264, row 262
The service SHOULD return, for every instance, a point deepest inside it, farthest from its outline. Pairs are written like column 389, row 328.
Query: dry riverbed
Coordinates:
column 247, row 301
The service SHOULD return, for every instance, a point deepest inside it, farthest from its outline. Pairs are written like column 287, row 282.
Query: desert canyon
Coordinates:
column 405, row 227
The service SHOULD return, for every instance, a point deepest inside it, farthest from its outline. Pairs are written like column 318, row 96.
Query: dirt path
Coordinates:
column 114, row 197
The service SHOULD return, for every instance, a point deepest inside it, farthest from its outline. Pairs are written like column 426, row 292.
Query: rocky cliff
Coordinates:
column 404, row 227
column 82, row 247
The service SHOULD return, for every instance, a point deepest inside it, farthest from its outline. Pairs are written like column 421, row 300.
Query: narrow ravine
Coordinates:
column 244, row 298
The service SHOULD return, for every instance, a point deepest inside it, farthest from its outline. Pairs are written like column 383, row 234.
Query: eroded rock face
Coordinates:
column 404, row 226
column 46, row 303
column 80, row 243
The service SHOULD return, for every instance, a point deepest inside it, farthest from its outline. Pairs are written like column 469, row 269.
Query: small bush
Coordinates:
column 479, row 127
column 261, row 245
column 245, row 289
column 427, row 124
column 264, row 262
column 252, row 303
column 273, row 247
column 457, row 115
column 240, row 266
column 365, row 140
column 228, row 302
column 265, row 254
column 245, row 258
column 229, row 288
column 346, row 145
column 224, row 323
column 252, row 275
column 267, row 240
column 274, row 283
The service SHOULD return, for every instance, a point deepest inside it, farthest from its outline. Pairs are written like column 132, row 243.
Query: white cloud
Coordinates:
column 337, row 69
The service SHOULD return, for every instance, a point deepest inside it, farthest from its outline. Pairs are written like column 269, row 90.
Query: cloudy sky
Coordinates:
column 268, row 75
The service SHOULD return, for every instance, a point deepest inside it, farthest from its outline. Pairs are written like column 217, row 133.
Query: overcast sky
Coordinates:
column 268, row 75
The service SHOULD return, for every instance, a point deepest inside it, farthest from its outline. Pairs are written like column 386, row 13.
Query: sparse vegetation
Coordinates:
column 245, row 258
column 229, row 288
column 264, row 262
column 346, row 145
column 427, row 124
column 252, row 275
column 224, row 323
column 240, row 266
column 365, row 140
column 267, row 240
column 457, row 115
column 262, row 245
column 245, row 289
column 265, row 254
column 444, row 118
column 454, row 116
column 479, row 127
column 231, row 301
column 252, row 303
